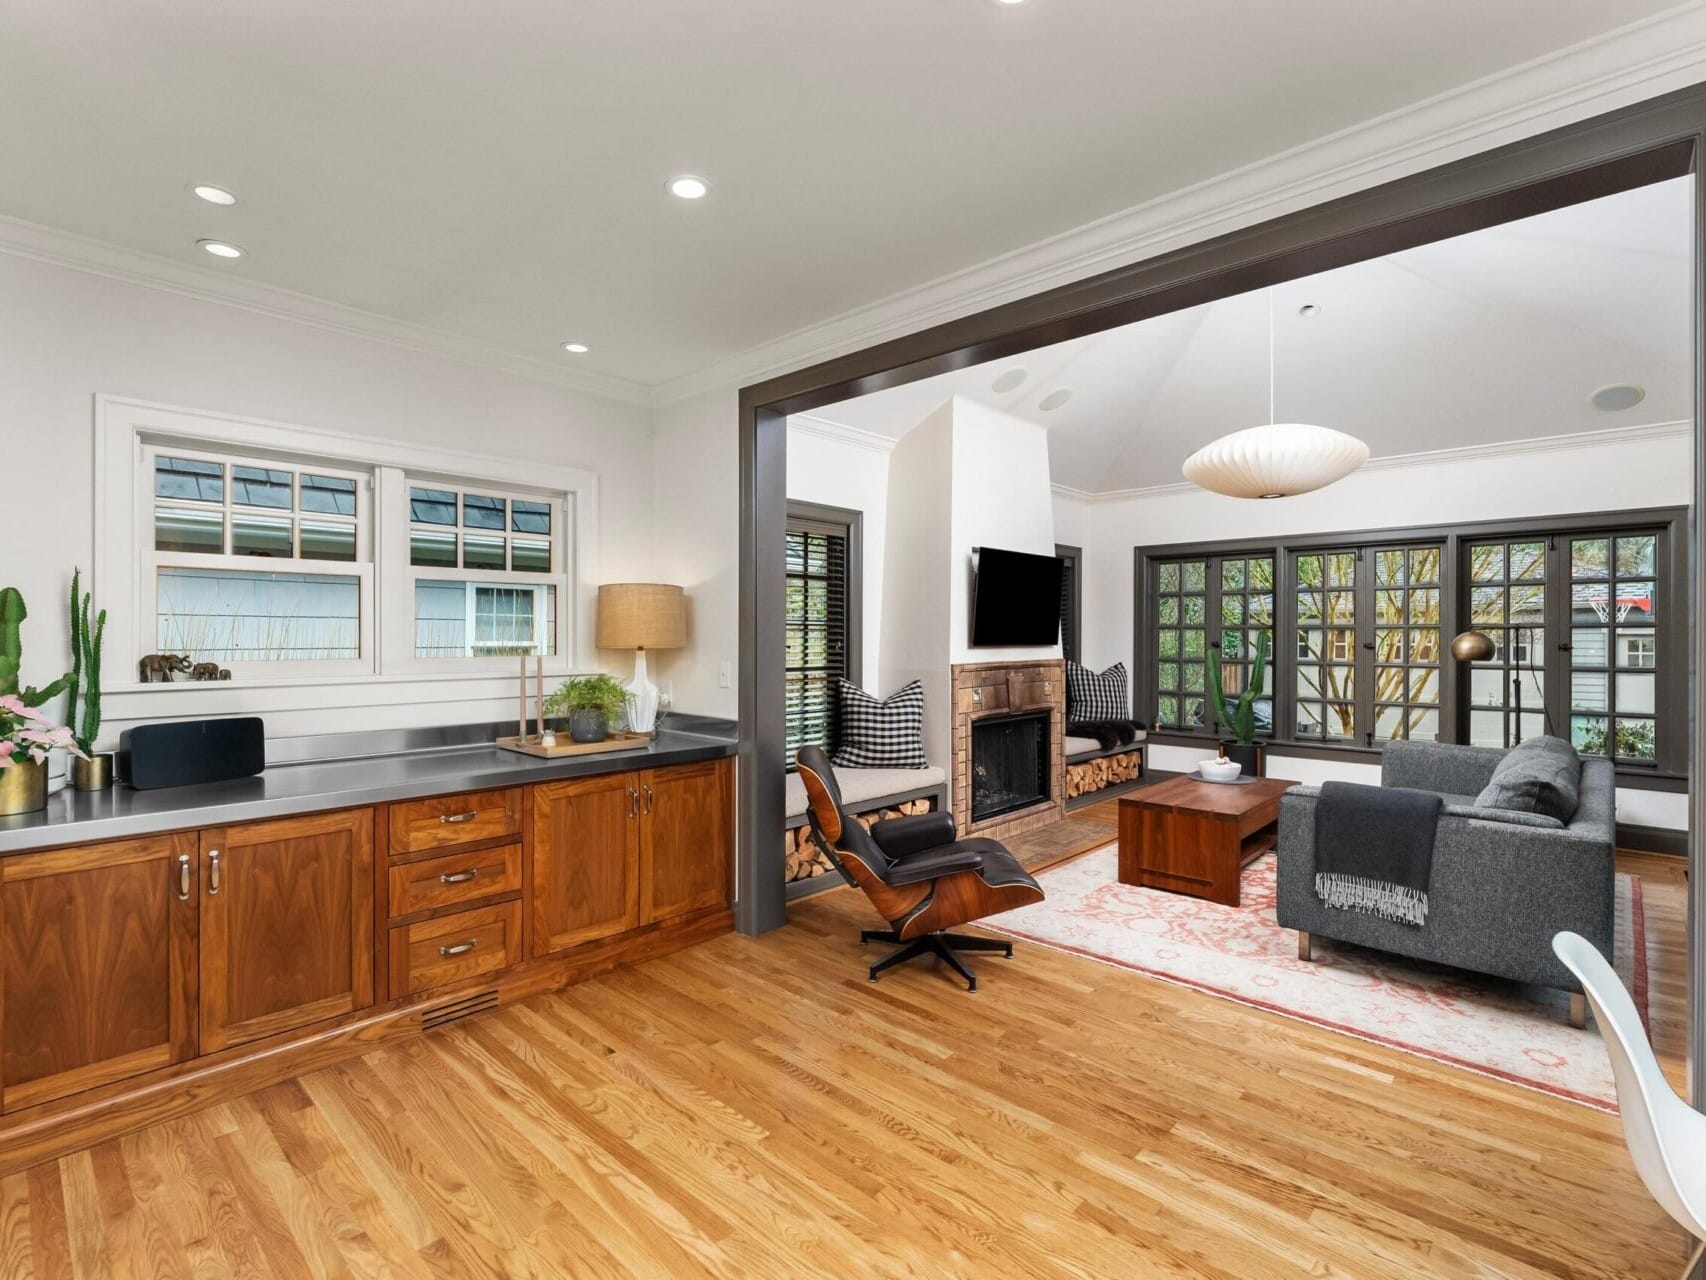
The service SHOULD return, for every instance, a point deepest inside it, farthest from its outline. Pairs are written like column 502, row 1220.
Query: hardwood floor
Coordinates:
column 755, row 1108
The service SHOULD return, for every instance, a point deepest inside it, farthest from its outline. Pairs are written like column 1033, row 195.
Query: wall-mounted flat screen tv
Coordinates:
column 1015, row 600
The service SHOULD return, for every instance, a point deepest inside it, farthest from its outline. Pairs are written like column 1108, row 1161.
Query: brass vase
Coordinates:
column 23, row 787
column 93, row 774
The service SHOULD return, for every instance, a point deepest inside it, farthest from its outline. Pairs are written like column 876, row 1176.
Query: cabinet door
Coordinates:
column 586, row 860
column 286, row 925
column 98, row 980
column 685, row 837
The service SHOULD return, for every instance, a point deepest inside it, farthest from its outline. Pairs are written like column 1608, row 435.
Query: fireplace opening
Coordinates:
column 1009, row 764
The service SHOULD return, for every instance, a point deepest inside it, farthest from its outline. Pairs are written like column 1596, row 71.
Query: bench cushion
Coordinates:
column 861, row 785
column 1076, row 747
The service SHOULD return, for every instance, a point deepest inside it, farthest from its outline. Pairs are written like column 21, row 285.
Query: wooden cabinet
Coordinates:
column 586, row 860
column 99, row 975
column 286, row 924
column 440, row 821
column 616, row 852
column 446, row 949
column 684, row 839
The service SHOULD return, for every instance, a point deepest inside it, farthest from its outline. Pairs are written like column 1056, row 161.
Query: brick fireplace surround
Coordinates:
column 1003, row 689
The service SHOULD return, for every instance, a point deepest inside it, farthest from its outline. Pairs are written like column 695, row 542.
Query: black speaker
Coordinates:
column 175, row 755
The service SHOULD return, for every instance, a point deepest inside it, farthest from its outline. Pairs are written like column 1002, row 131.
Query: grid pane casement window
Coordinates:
column 1613, row 649
column 477, row 557
column 1245, row 606
column 1181, row 644
column 258, row 562
column 1326, row 666
column 1507, row 584
column 816, row 636
column 1406, row 643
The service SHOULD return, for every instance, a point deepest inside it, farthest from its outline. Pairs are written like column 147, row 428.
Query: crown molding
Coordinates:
column 1657, row 55
column 1681, row 428
column 840, row 433
column 154, row 271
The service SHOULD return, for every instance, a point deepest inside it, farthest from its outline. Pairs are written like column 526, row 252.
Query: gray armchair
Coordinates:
column 1503, row 883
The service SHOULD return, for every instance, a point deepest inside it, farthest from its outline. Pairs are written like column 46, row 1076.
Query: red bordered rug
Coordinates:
column 1501, row 1029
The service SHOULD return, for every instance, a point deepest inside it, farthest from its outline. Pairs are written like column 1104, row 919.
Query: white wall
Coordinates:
column 851, row 472
column 67, row 335
column 696, row 543
column 1000, row 497
column 1647, row 472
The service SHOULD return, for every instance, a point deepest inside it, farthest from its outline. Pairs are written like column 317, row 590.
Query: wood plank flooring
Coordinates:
column 755, row 1108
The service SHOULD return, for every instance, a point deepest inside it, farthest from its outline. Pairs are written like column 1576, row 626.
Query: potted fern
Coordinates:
column 1240, row 716
column 592, row 704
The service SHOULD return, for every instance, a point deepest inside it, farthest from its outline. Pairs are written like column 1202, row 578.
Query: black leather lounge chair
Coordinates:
column 917, row 875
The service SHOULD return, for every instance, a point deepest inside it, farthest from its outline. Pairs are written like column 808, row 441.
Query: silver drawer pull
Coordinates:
column 213, row 876
column 460, row 948
column 459, row 817
column 183, row 877
column 459, row 877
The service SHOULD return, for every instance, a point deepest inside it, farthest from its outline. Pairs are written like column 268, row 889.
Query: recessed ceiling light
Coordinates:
column 688, row 187
column 1308, row 309
column 1009, row 381
column 1619, row 395
column 214, row 195
column 219, row 249
column 1009, row 3
column 577, row 348
column 1054, row 399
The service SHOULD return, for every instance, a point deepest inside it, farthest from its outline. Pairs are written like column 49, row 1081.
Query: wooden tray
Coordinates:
column 620, row 740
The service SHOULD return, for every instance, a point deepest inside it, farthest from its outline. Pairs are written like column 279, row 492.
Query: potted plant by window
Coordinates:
column 26, row 735
column 1240, row 716
column 91, row 771
column 592, row 704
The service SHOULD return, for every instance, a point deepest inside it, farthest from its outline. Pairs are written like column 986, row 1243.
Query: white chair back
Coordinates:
column 1666, row 1137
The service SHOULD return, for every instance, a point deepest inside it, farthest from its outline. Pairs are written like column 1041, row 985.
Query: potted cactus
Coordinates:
column 91, row 771
column 27, row 736
column 1240, row 716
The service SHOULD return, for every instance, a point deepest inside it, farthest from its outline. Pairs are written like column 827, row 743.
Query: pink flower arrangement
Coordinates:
column 24, row 731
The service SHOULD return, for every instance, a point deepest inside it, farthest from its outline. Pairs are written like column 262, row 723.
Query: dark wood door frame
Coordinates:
column 1630, row 147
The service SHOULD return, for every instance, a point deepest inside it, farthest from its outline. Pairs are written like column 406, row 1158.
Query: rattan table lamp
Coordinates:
column 641, row 616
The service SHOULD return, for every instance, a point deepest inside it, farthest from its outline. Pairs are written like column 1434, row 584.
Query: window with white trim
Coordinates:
column 278, row 566
column 258, row 564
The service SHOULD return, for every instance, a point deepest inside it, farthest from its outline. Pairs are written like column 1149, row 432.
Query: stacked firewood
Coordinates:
column 801, row 857
column 1104, row 771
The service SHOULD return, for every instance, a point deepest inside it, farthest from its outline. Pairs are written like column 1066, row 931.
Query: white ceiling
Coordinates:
column 496, row 172
column 1499, row 335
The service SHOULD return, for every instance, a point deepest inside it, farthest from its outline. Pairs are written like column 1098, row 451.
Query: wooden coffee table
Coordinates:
column 1194, row 837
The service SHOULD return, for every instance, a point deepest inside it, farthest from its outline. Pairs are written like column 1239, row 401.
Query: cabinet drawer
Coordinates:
column 442, row 821
column 454, row 877
column 432, row 953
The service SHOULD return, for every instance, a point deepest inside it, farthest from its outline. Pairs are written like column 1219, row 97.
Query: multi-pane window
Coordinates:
column 1407, row 642
column 1245, row 606
column 257, row 562
column 1613, row 653
column 1507, row 584
column 817, row 631
column 478, row 557
column 1181, row 644
column 1326, row 668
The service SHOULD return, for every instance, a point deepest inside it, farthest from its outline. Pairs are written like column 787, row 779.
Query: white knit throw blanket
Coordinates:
column 1394, row 902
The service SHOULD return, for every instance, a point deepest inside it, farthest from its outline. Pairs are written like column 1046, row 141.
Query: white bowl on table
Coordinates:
column 1220, row 770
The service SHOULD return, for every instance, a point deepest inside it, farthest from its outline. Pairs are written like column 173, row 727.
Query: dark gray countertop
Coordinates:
column 73, row 817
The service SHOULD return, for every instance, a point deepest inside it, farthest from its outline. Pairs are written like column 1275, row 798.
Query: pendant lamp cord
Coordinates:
column 1271, row 417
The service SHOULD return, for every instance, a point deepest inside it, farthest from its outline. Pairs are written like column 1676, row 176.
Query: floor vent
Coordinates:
column 456, row 1010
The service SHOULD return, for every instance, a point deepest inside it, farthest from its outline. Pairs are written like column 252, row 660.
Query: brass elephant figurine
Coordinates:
column 158, row 668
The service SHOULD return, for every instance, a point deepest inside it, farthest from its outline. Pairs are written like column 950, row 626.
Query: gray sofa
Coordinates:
column 1502, row 883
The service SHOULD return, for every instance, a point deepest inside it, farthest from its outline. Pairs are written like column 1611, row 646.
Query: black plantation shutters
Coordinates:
column 816, row 647
column 1068, row 602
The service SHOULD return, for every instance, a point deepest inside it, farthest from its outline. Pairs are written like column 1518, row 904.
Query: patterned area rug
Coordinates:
column 1501, row 1029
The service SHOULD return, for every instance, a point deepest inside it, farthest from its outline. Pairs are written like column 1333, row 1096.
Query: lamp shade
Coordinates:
column 1275, row 461
column 641, row 615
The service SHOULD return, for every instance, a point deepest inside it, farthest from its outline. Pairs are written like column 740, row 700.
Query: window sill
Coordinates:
column 1633, row 777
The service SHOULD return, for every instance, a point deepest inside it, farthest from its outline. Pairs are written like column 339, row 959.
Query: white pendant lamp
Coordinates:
column 1276, row 460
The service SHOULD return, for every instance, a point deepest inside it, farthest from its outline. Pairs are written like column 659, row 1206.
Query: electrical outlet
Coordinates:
column 725, row 675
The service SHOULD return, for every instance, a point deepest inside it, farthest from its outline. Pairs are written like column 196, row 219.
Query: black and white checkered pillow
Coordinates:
column 882, row 734
column 1091, row 698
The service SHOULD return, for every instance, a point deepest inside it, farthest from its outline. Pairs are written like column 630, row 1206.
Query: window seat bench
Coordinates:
column 1096, row 773
column 872, row 794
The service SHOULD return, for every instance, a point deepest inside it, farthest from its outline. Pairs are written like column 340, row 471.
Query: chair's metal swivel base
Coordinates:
column 941, row 945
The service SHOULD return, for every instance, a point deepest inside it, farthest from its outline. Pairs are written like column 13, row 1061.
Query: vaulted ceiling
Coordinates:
column 1503, row 334
column 497, row 171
